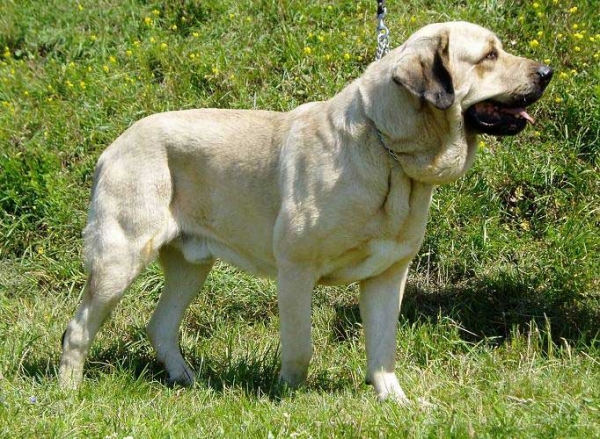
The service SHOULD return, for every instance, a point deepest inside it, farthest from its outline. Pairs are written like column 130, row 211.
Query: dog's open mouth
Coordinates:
column 497, row 119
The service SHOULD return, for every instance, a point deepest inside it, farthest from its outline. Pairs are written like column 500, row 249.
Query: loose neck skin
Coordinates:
column 432, row 145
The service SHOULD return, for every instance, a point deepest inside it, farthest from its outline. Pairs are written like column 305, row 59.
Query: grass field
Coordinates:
column 499, row 335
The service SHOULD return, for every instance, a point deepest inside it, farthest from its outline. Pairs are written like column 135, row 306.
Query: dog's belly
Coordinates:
column 352, row 266
column 204, row 249
column 362, row 263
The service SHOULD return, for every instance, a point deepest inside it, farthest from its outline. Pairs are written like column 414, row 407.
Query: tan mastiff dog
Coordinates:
column 331, row 192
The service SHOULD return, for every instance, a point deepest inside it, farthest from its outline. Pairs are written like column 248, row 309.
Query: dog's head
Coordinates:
column 462, row 64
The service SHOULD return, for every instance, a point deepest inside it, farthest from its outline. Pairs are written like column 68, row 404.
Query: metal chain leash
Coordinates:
column 383, row 40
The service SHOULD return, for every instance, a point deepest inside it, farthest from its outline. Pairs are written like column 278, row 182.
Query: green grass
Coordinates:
column 499, row 331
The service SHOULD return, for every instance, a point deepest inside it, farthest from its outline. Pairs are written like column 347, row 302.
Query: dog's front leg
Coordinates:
column 380, row 299
column 294, row 289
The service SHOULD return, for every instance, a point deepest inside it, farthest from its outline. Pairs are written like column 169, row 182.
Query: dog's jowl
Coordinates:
column 331, row 192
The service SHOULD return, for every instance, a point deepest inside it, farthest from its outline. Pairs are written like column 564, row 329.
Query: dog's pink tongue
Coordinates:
column 521, row 112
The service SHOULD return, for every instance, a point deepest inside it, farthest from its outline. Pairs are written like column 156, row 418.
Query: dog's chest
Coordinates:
column 396, row 235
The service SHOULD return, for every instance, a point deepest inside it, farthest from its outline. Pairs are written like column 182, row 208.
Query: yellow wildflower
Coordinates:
column 174, row 27
column 148, row 21
column 195, row 34
column 128, row 52
column 163, row 46
column 547, row 61
column 82, row 85
column 93, row 37
column 307, row 50
column 573, row 9
column 156, row 12
column 577, row 49
column 536, row 5
column 558, row 100
column 112, row 59
column 106, row 68
column 534, row 43
column 347, row 56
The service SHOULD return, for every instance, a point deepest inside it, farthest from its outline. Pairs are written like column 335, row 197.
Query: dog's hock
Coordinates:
column 422, row 71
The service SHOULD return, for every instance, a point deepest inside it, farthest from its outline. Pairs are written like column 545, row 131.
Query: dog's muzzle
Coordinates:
column 507, row 118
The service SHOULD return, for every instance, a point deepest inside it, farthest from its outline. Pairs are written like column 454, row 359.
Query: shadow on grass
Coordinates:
column 255, row 375
column 488, row 309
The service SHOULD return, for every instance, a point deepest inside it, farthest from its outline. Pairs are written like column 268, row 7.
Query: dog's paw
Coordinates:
column 396, row 397
column 185, row 377
column 388, row 388
column 69, row 379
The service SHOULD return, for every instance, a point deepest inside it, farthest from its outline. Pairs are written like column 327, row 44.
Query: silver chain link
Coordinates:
column 383, row 40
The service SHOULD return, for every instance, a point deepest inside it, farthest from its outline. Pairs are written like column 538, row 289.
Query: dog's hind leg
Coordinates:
column 103, row 290
column 183, row 281
column 114, row 261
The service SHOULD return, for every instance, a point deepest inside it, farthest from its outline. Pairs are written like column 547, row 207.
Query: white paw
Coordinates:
column 388, row 388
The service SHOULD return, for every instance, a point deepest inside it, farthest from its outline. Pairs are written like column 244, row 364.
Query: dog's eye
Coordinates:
column 493, row 55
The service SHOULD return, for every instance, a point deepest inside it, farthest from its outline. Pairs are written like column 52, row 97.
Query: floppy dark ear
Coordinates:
column 422, row 71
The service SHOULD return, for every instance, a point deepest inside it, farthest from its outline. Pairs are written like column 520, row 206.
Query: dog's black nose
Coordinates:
column 545, row 73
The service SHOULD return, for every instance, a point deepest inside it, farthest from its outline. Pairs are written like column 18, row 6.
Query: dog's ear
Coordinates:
column 422, row 71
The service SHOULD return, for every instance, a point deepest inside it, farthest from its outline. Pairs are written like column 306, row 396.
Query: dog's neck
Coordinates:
column 411, row 139
column 390, row 151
